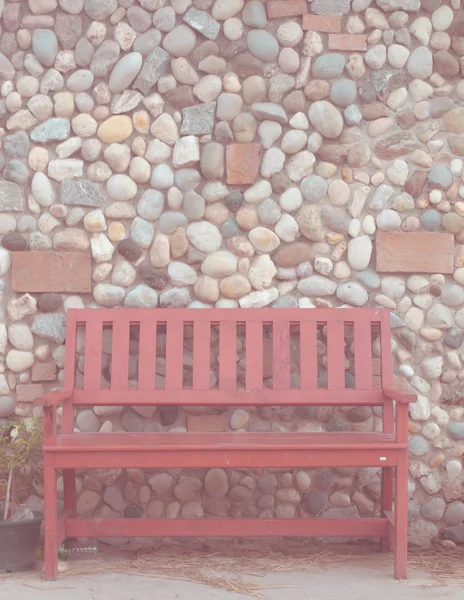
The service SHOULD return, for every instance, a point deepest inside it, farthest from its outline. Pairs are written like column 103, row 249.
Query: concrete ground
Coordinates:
column 363, row 578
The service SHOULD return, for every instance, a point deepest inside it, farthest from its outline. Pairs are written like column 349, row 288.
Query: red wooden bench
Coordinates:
column 68, row 451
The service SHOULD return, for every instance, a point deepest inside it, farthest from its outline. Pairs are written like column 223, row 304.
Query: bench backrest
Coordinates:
column 231, row 356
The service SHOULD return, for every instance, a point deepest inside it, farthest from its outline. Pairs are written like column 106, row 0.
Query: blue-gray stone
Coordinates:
column 53, row 130
column 201, row 21
column 369, row 279
column 51, row 326
column 16, row 145
column 142, row 232
column 199, row 119
column 455, row 534
column 254, row 14
column 329, row 66
column 229, row 228
column 343, row 92
column 456, row 430
column 396, row 322
column 413, row 510
column 418, row 445
column 80, row 193
column 17, row 171
column 330, row 7
column 147, row 42
column 431, row 219
column 335, row 219
column 316, row 501
column 454, row 338
column 433, row 509
column 440, row 177
column 285, row 302
column 45, row 46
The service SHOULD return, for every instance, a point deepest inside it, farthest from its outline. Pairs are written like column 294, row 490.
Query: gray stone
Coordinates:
column 80, row 193
column 269, row 111
column 104, row 58
column 343, row 92
column 352, row 293
column 431, row 220
column 328, row 66
column 147, row 42
column 454, row 338
column 7, row 71
column 45, row 46
column 313, row 188
column 175, row 298
column 199, row 119
column 433, row 509
column 16, row 145
column 99, row 10
column 142, row 232
column 87, row 422
column 202, row 22
column 380, row 198
column 53, row 130
column 141, row 296
column 315, row 285
column 454, row 514
column 254, row 14
column 150, row 205
column 11, row 198
column 407, row 5
column 316, row 501
column 262, row 45
column 335, row 219
column 51, row 326
column 369, row 278
column 455, row 534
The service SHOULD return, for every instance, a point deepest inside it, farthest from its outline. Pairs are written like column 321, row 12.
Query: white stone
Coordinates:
column 19, row 361
column 259, row 299
column 101, row 247
column 5, row 261
column 359, row 252
column 205, row 236
column 286, row 228
column 262, row 272
column 181, row 274
column 219, row 264
column 420, row 410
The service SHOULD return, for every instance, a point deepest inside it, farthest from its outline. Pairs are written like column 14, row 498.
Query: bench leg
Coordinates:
column 386, row 503
column 50, row 519
column 401, row 520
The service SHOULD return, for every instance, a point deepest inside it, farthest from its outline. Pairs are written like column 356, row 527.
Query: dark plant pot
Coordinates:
column 18, row 544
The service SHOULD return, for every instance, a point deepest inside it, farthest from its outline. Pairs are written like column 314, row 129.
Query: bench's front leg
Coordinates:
column 69, row 491
column 50, row 518
column 386, row 502
column 401, row 520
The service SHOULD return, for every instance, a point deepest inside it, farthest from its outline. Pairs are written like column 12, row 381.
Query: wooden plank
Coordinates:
column 322, row 23
column 201, row 355
column 281, row 356
column 174, row 355
column 385, row 352
column 254, row 355
column 147, row 355
column 235, row 397
column 336, row 354
column 225, row 527
column 308, row 355
column 93, row 355
column 363, row 355
column 120, row 354
column 70, row 353
column 227, row 355
column 348, row 42
column 413, row 252
column 280, row 9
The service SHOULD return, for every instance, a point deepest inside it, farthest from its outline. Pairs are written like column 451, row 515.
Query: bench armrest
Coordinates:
column 53, row 398
column 400, row 396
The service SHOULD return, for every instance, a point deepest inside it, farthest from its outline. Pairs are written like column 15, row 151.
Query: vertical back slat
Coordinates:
column 120, row 354
column 201, row 355
column 147, row 355
column 254, row 355
column 363, row 355
column 227, row 355
column 336, row 354
column 174, row 354
column 67, row 418
column 385, row 350
column 93, row 354
column 308, row 355
column 281, row 355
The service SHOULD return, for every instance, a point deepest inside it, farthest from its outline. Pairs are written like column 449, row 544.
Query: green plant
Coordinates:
column 20, row 450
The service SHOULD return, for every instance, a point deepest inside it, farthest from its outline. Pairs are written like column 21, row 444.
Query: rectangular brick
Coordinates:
column 43, row 372
column 348, row 42
column 322, row 23
column 243, row 161
column 37, row 272
column 399, row 252
column 276, row 9
column 28, row 392
column 205, row 423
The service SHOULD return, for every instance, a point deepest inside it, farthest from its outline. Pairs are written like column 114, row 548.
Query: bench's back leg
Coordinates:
column 69, row 491
column 50, row 518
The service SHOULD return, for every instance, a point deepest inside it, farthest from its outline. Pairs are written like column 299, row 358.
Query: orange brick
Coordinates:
column 51, row 272
column 243, row 162
column 276, row 9
column 348, row 42
column 414, row 252
column 27, row 392
column 43, row 372
column 323, row 23
column 206, row 423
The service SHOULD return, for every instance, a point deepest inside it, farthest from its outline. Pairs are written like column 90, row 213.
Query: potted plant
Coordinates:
column 20, row 454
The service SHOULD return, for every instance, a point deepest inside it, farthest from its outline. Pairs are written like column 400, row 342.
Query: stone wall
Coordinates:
column 229, row 153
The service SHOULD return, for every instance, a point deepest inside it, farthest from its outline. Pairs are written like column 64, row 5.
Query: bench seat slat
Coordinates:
column 204, row 441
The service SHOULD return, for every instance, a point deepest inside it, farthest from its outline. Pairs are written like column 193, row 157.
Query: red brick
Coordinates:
column 276, row 9
column 43, row 372
column 414, row 252
column 206, row 423
column 323, row 23
column 243, row 162
column 27, row 392
column 68, row 272
column 348, row 42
